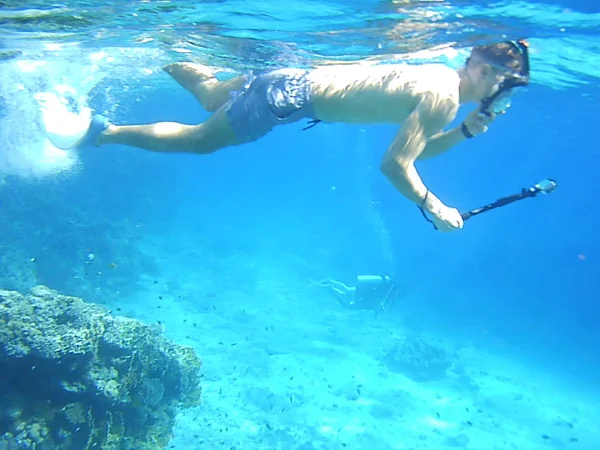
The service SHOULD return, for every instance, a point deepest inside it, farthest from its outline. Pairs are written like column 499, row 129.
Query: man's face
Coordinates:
column 486, row 78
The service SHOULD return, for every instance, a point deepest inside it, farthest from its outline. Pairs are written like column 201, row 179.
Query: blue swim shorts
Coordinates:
column 267, row 100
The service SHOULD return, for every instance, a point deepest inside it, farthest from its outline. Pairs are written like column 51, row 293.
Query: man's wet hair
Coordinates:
column 503, row 55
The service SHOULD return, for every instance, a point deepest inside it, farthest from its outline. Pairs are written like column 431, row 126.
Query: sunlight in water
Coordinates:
column 44, row 113
column 65, row 128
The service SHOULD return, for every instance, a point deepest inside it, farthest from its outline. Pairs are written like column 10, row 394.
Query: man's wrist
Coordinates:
column 430, row 203
column 465, row 131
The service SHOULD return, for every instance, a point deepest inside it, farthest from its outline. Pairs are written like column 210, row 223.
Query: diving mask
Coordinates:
column 500, row 100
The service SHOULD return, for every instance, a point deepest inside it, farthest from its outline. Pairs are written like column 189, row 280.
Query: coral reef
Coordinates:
column 74, row 377
column 420, row 361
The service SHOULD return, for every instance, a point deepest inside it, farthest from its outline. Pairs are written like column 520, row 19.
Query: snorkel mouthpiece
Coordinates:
column 496, row 103
column 501, row 100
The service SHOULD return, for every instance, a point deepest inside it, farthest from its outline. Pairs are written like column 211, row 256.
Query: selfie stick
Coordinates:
column 543, row 187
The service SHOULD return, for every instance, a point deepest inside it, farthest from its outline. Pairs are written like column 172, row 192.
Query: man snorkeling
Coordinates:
column 424, row 99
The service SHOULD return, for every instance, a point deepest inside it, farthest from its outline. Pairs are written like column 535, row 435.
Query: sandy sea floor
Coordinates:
column 284, row 372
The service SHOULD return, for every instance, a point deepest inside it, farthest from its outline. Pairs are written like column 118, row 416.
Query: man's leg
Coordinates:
column 200, row 81
column 246, row 119
column 214, row 134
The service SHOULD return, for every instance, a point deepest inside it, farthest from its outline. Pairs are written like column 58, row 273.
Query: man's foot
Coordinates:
column 98, row 124
column 189, row 74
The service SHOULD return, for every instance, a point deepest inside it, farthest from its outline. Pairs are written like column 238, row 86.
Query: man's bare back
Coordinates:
column 385, row 93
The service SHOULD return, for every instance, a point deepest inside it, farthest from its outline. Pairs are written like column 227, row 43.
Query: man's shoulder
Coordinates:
column 410, row 68
column 437, row 80
column 437, row 75
column 437, row 68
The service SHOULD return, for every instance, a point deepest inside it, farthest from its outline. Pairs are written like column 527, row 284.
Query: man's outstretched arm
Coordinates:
column 398, row 164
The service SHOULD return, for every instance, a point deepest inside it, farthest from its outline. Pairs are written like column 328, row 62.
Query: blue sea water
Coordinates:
column 223, row 250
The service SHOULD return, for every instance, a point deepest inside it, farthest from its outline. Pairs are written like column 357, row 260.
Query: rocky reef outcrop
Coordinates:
column 72, row 376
